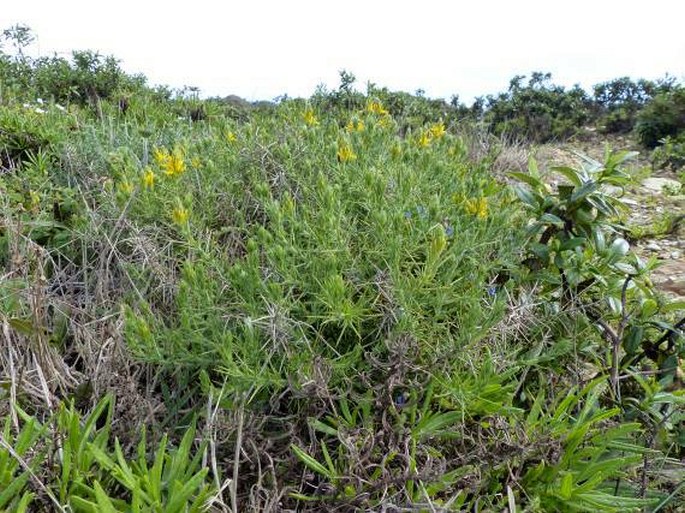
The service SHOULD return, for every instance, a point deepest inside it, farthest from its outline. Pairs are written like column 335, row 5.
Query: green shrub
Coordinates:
column 671, row 152
column 663, row 117
column 538, row 111
column 619, row 101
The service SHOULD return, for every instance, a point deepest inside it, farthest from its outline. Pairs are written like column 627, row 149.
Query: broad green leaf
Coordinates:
column 582, row 192
column 599, row 239
column 528, row 179
column 625, row 268
column 572, row 243
column 571, row 174
column 648, row 308
column 527, row 196
column 633, row 339
column 552, row 219
column 619, row 248
column 614, row 304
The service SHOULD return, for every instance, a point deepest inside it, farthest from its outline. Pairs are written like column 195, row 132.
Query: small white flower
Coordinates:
column 39, row 101
column 38, row 110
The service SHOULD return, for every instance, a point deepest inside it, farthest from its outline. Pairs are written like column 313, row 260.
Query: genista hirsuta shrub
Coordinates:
column 323, row 304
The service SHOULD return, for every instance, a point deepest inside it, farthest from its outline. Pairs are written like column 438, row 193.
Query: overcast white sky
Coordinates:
column 260, row 49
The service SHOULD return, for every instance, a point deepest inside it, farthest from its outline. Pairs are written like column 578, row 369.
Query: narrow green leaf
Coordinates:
column 533, row 167
column 324, row 428
column 104, row 503
column 13, row 489
column 566, row 486
column 184, row 493
column 310, row 462
column 23, row 504
column 432, row 425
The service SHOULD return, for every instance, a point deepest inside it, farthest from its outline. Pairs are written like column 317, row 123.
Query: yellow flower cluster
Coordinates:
column 231, row 137
column 432, row 133
column 425, row 140
column 477, row 207
column 437, row 130
column 172, row 163
column 35, row 199
column 148, row 178
column 310, row 118
column 180, row 215
column 345, row 152
column 377, row 108
column 126, row 187
column 355, row 126
column 384, row 122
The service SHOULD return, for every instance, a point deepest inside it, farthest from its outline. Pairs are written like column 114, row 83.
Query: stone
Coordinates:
column 657, row 184
column 653, row 246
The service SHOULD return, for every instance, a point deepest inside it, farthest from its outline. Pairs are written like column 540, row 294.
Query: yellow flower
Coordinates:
column 161, row 156
column 126, row 187
column 310, row 118
column 425, row 139
column 180, row 215
column 357, row 126
column 478, row 207
column 231, row 137
column 35, row 199
column 175, row 165
column 384, row 122
column 345, row 153
column 376, row 108
column 148, row 178
column 437, row 130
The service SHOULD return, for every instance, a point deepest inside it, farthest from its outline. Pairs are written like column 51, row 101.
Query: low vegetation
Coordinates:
column 345, row 303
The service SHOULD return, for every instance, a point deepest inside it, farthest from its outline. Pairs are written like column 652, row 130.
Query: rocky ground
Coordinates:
column 657, row 206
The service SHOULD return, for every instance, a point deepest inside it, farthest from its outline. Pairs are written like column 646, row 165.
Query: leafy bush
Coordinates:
column 663, row 117
column 670, row 153
column 538, row 111
column 619, row 101
column 587, row 269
